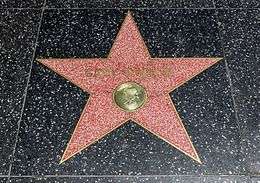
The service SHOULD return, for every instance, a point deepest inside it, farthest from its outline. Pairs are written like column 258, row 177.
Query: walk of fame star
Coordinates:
column 129, row 84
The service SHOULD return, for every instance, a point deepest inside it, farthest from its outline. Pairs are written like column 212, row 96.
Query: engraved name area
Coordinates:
column 139, row 72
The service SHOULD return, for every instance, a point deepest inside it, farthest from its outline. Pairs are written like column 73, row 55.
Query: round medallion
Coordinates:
column 130, row 96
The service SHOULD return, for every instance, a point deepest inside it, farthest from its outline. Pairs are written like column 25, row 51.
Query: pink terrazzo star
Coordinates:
column 129, row 60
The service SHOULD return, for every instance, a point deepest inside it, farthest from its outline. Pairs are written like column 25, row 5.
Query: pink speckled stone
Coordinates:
column 101, row 115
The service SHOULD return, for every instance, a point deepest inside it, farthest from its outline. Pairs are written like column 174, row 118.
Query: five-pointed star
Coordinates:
column 129, row 60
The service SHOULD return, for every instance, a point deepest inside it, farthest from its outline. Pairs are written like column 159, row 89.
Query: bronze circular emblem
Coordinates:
column 130, row 96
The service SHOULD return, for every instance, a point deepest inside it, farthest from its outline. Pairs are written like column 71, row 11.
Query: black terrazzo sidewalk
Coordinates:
column 220, row 107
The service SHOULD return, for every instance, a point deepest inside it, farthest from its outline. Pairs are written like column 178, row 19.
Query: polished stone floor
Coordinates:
column 219, row 108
